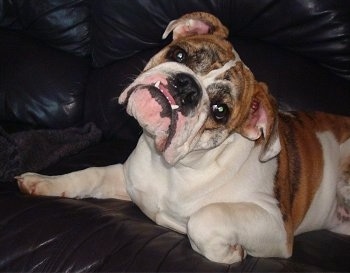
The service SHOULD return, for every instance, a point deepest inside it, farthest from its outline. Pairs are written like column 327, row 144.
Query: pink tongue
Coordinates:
column 166, row 93
column 160, row 82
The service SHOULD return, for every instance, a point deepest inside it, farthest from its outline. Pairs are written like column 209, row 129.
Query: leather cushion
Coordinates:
column 61, row 24
column 40, row 85
column 316, row 29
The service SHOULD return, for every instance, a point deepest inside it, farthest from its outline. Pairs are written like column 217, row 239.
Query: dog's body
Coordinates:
column 216, row 160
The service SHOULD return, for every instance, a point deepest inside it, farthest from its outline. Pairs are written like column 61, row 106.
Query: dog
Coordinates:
column 217, row 160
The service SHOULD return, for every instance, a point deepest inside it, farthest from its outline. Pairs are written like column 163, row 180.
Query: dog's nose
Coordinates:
column 188, row 92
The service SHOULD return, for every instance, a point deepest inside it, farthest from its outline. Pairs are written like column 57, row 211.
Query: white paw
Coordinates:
column 210, row 237
column 237, row 253
column 229, row 254
column 220, row 252
column 36, row 184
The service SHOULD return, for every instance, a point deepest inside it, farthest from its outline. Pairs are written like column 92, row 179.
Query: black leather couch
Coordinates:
column 63, row 63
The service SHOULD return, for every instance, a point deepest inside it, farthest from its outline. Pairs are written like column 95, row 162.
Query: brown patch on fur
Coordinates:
column 338, row 125
column 301, row 162
column 247, row 91
column 298, row 176
column 305, row 172
column 205, row 52
column 282, row 193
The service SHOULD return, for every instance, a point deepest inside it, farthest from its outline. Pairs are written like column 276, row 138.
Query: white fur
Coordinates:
column 322, row 209
column 322, row 212
column 212, row 75
column 98, row 182
column 227, row 183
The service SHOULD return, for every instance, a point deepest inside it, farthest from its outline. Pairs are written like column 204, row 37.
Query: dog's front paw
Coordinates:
column 218, row 249
column 209, row 237
column 36, row 184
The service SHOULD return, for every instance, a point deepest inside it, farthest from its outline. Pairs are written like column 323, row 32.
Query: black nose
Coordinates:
column 187, row 90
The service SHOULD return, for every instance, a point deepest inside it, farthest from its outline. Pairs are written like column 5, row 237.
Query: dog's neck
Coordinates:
column 221, row 156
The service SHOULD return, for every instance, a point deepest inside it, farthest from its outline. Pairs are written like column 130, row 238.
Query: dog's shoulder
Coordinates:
column 311, row 123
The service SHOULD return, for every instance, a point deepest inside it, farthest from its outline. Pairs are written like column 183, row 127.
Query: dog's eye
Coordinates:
column 179, row 55
column 220, row 112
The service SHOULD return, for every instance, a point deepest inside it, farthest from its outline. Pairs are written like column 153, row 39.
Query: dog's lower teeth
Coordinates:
column 157, row 84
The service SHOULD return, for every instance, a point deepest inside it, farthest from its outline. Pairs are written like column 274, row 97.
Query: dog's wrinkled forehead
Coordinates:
column 203, row 55
column 199, row 42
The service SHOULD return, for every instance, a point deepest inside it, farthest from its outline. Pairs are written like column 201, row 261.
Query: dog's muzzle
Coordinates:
column 168, row 102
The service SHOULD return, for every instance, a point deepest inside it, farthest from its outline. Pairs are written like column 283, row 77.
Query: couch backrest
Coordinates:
column 88, row 61
column 111, row 30
column 318, row 29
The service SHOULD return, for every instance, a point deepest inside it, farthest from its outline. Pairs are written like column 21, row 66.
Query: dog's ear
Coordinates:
column 262, row 123
column 197, row 23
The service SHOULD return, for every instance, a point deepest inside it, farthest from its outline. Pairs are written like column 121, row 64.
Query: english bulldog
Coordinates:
column 217, row 160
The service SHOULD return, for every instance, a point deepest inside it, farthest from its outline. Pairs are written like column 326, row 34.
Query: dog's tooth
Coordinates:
column 157, row 84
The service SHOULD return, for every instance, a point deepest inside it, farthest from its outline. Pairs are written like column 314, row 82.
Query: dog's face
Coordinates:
column 196, row 92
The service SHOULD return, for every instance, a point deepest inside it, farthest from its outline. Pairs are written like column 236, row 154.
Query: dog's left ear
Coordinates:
column 196, row 23
column 262, row 123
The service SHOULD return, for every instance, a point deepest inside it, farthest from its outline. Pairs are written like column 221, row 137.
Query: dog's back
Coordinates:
column 315, row 154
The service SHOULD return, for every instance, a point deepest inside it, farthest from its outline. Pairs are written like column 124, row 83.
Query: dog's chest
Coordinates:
column 171, row 199
column 170, row 195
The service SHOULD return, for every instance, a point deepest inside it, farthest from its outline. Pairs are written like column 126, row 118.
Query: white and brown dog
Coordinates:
column 216, row 159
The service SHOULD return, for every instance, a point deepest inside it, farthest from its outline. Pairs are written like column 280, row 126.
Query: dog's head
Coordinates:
column 196, row 92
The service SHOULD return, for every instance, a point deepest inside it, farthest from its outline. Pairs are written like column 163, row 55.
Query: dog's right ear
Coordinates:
column 262, row 123
column 196, row 23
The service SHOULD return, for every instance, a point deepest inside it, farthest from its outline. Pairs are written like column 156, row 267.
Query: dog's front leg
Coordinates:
column 226, row 232
column 98, row 182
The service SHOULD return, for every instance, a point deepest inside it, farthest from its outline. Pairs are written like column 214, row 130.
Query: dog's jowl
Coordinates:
column 216, row 159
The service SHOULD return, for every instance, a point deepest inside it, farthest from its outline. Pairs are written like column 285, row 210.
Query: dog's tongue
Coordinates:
column 152, row 113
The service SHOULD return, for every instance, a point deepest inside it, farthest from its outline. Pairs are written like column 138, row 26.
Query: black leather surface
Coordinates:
column 40, row 85
column 111, row 30
column 60, row 235
column 317, row 29
column 103, row 89
column 61, row 24
column 298, row 83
